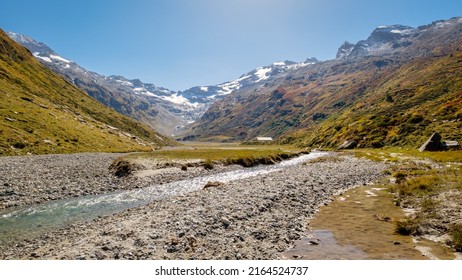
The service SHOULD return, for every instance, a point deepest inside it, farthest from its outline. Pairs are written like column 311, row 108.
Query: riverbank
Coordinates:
column 254, row 218
column 26, row 180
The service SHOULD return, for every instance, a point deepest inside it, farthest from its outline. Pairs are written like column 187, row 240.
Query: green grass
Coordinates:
column 405, row 226
column 216, row 153
column 393, row 154
column 245, row 155
column 456, row 235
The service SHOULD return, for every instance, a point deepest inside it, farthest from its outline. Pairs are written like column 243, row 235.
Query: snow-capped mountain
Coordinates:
column 383, row 39
column 162, row 109
column 387, row 39
column 260, row 75
column 344, row 50
column 303, row 98
column 158, row 107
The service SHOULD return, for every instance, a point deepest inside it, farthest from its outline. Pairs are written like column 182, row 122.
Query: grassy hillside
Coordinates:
column 400, row 107
column 40, row 112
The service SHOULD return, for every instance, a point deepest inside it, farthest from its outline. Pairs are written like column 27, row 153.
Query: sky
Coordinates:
column 179, row 44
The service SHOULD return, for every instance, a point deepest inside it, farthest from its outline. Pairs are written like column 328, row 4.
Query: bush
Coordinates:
column 456, row 235
column 400, row 176
column 388, row 97
column 19, row 145
column 208, row 164
column 415, row 119
column 406, row 226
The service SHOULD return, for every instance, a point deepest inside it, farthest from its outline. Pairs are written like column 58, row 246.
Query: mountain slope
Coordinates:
column 147, row 103
column 394, row 88
column 43, row 113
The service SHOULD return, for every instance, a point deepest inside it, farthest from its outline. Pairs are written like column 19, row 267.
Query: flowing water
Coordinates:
column 30, row 221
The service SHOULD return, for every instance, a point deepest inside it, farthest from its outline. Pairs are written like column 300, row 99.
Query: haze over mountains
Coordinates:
column 393, row 88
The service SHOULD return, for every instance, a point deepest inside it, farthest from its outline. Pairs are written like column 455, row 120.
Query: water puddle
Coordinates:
column 322, row 245
column 358, row 225
column 30, row 221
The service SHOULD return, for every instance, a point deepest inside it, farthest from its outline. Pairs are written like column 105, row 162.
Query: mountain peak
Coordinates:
column 32, row 45
column 392, row 38
column 344, row 50
column 388, row 33
column 382, row 39
column 311, row 59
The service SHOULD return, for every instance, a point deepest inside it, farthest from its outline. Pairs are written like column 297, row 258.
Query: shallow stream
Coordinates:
column 33, row 220
column 358, row 225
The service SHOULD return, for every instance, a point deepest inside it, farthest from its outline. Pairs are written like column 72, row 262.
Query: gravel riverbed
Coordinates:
column 253, row 218
column 26, row 180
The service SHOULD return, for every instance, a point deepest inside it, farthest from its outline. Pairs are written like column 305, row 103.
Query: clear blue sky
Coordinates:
column 183, row 43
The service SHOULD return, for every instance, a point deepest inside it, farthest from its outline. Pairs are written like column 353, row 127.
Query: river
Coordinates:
column 33, row 220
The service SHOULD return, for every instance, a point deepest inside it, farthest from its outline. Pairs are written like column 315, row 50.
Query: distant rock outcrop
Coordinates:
column 344, row 50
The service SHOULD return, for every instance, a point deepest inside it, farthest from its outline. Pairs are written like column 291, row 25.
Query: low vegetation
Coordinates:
column 207, row 156
column 456, row 235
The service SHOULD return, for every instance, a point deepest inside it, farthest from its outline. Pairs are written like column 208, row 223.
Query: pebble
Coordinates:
column 225, row 222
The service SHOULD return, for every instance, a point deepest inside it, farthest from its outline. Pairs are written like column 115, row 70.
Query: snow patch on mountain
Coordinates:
column 44, row 58
column 178, row 99
column 261, row 74
column 57, row 57
column 188, row 105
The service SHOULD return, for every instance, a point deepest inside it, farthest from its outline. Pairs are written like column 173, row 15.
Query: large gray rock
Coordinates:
column 432, row 144
column 451, row 145
column 348, row 144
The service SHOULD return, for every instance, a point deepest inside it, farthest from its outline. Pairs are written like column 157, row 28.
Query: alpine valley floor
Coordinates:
column 254, row 218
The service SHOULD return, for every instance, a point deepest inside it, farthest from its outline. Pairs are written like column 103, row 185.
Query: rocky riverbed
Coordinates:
column 28, row 180
column 254, row 218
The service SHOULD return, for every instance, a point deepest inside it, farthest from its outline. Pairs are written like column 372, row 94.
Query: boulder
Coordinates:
column 348, row 144
column 213, row 185
column 451, row 145
column 432, row 144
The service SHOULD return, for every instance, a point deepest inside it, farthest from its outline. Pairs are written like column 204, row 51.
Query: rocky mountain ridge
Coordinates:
column 379, row 91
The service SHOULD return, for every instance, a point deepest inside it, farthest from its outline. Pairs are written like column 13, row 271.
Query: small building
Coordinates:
column 264, row 139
